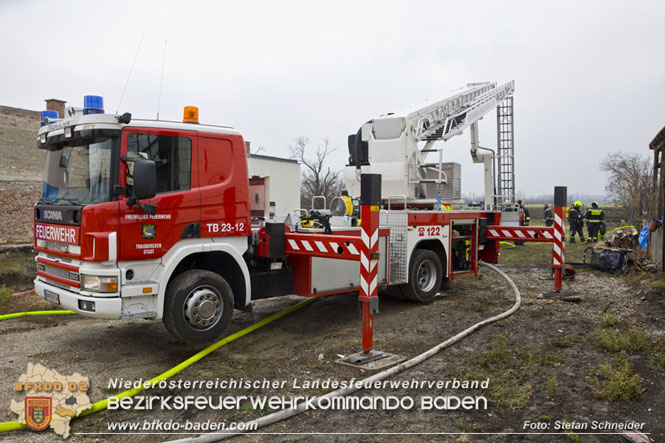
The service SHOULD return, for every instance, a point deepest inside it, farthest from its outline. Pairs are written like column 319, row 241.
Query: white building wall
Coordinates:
column 284, row 180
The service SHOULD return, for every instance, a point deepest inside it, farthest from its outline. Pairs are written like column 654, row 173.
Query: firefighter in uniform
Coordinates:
column 549, row 215
column 594, row 218
column 525, row 218
column 576, row 221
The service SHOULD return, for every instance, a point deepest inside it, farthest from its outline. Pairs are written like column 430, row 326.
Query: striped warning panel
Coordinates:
column 521, row 233
column 558, row 257
column 332, row 246
column 368, row 265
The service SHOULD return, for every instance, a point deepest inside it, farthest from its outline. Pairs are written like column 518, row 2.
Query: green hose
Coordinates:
column 622, row 227
column 21, row 314
column 102, row 404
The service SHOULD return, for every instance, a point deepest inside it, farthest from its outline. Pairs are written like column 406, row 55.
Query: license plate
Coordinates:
column 52, row 296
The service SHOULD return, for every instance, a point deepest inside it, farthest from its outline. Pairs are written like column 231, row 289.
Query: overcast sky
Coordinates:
column 590, row 75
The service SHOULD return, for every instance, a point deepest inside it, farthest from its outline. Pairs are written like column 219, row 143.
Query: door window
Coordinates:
column 172, row 156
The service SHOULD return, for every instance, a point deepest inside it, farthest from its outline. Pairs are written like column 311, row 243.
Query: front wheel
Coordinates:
column 425, row 274
column 198, row 306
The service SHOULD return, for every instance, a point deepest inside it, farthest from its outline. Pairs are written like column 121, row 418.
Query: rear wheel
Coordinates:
column 425, row 273
column 198, row 306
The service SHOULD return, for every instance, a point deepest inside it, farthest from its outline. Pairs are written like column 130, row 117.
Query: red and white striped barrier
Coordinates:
column 369, row 259
column 554, row 234
column 520, row 233
column 368, row 265
column 558, row 253
column 329, row 246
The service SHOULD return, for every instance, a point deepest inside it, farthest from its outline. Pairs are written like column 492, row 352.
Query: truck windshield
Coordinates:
column 79, row 173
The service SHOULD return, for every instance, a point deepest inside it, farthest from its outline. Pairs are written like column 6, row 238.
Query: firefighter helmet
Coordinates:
column 594, row 204
column 577, row 204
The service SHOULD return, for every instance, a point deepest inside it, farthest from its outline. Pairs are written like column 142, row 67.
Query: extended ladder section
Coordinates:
column 449, row 117
column 391, row 144
column 506, row 155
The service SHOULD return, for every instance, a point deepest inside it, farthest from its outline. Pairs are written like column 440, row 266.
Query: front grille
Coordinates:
column 58, row 272
column 55, row 283
column 55, row 258
column 55, row 246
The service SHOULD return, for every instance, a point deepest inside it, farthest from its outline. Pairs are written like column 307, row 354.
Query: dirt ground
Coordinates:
column 543, row 363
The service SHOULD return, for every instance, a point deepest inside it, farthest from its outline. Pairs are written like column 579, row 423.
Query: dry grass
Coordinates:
column 616, row 382
column 630, row 340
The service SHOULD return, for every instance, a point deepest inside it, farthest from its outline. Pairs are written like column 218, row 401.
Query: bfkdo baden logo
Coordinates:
column 38, row 412
column 51, row 399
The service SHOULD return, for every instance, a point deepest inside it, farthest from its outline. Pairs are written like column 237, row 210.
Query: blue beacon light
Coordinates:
column 50, row 115
column 93, row 104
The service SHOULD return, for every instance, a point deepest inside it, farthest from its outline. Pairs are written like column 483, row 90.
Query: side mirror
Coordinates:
column 145, row 179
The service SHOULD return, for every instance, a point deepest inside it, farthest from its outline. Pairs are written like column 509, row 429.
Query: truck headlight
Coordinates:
column 99, row 283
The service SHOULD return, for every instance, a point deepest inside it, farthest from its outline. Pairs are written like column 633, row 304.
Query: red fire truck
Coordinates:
column 151, row 219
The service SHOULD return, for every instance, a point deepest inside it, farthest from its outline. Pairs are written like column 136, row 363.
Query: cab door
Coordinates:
column 178, row 201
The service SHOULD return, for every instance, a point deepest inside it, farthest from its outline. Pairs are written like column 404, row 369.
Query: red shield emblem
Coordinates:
column 38, row 412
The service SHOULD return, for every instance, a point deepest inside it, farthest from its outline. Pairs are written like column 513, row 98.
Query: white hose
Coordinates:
column 288, row 413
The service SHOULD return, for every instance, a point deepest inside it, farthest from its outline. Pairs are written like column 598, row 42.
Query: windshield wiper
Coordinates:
column 69, row 201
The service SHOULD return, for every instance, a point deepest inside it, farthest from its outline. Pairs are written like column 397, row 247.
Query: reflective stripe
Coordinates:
column 364, row 261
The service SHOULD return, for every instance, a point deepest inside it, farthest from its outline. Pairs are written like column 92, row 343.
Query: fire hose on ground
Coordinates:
column 281, row 415
column 288, row 413
column 21, row 314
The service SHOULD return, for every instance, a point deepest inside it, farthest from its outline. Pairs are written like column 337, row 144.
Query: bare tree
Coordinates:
column 317, row 178
column 629, row 181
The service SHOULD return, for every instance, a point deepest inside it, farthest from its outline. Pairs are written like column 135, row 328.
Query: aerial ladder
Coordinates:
column 398, row 144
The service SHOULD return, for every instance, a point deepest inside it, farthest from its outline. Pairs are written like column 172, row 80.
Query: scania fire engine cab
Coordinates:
column 152, row 219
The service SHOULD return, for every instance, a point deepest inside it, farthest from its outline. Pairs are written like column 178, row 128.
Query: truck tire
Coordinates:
column 425, row 273
column 198, row 306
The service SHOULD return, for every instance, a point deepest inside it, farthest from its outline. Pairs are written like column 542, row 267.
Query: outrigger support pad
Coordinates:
column 362, row 357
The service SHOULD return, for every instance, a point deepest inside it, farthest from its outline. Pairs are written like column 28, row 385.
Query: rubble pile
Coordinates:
column 622, row 238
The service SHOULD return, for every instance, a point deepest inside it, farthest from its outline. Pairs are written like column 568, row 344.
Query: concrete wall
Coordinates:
column 17, row 199
column 21, row 165
column 284, row 180
column 20, row 159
